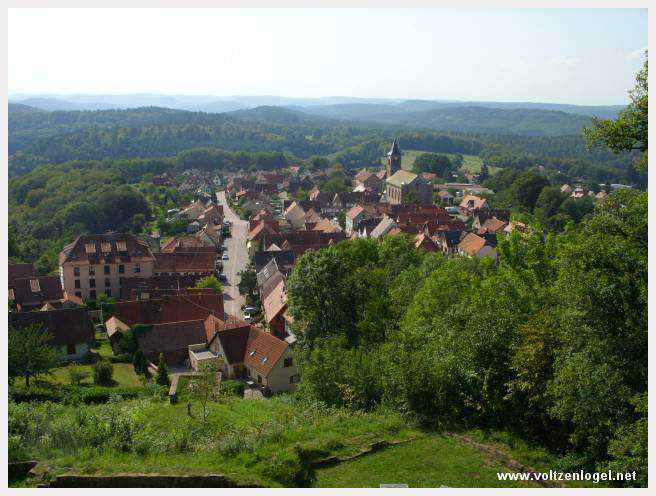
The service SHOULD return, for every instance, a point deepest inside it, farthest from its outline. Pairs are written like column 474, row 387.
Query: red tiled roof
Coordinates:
column 275, row 300
column 174, row 308
column 172, row 336
column 90, row 249
column 263, row 351
column 20, row 271
column 471, row 244
column 67, row 326
column 192, row 261
column 49, row 288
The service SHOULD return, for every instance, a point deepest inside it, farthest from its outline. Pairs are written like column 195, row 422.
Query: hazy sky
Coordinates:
column 572, row 56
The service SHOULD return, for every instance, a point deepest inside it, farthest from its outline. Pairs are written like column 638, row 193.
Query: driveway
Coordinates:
column 238, row 258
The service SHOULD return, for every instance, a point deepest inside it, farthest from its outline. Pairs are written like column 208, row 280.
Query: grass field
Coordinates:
column 472, row 163
column 434, row 460
column 124, row 375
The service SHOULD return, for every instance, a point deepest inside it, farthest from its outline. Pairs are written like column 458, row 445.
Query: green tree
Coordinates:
column 76, row 374
column 435, row 163
column 204, row 386
column 30, row 353
column 210, row 282
column 629, row 131
column 103, row 372
column 162, row 371
column 247, row 280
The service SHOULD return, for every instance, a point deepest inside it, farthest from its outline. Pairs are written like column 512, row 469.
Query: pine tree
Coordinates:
column 162, row 371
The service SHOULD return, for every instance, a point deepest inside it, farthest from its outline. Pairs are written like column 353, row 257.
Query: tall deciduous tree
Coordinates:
column 30, row 353
column 630, row 130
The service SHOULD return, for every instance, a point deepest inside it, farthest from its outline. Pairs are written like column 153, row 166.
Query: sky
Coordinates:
column 587, row 56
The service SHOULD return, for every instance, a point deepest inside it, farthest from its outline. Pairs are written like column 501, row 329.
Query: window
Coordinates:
column 121, row 269
column 137, row 268
column 120, row 246
column 108, row 292
column 120, row 281
column 106, row 269
column 77, row 284
column 259, row 379
column 92, row 270
column 35, row 287
column 76, row 271
column 106, row 247
column 92, row 283
column 92, row 294
column 293, row 379
column 90, row 248
column 78, row 294
column 70, row 349
column 108, row 283
column 287, row 362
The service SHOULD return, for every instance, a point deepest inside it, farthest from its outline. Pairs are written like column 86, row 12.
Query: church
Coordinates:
column 403, row 186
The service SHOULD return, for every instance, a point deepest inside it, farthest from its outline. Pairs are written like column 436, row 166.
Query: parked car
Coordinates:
column 248, row 318
column 250, row 309
column 224, row 257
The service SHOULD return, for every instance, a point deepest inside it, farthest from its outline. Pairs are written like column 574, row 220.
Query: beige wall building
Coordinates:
column 96, row 264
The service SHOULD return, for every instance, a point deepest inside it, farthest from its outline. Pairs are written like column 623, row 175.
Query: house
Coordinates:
column 448, row 241
column 193, row 263
column 566, row 188
column 295, row 215
column 470, row 203
column 249, row 352
column 473, row 245
column 425, row 242
column 353, row 218
column 170, row 308
column 515, row 225
column 407, row 187
column 492, row 225
column 32, row 293
column 368, row 180
column 140, row 288
column 20, row 271
column 72, row 329
column 274, row 302
column 96, row 264
column 383, row 228
column 172, row 339
column 327, row 226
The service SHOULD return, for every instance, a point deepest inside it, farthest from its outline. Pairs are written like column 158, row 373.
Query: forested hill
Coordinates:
column 39, row 137
column 473, row 119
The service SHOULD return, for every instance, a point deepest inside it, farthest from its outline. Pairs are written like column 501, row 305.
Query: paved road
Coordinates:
column 238, row 258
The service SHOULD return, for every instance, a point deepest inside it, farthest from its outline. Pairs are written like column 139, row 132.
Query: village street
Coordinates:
column 238, row 258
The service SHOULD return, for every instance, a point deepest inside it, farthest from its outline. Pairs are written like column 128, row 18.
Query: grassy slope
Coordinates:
column 434, row 460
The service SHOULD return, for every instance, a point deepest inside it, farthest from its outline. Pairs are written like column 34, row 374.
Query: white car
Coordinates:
column 248, row 318
column 224, row 257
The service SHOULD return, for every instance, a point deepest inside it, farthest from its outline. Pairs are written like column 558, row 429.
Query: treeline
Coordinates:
column 38, row 137
column 551, row 341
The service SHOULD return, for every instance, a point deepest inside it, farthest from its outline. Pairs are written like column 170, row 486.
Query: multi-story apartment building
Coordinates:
column 97, row 264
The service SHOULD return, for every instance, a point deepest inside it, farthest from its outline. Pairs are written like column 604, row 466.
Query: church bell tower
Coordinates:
column 393, row 159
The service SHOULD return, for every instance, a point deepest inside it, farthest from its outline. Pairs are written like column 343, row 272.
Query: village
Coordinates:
column 109, row 283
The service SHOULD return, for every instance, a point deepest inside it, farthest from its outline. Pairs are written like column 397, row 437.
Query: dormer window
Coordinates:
column 106, row 247
column 90, row 248
column 35, row 287
column 120, row 246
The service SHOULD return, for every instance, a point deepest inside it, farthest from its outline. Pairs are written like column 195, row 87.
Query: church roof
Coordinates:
column 395, row 150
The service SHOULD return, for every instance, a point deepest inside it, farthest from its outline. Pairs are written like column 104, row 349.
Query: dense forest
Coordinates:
column 551, row 341
column 39, row 137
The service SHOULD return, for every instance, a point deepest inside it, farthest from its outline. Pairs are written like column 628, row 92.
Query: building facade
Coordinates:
column 97, row 264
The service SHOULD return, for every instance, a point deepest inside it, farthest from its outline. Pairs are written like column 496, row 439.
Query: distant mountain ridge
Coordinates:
column 219, row 104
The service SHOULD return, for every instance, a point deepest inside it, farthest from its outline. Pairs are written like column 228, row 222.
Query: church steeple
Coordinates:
column 393, row 159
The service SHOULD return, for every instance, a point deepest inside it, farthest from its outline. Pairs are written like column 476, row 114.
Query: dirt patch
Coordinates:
column 372, row 448
column 144, row 480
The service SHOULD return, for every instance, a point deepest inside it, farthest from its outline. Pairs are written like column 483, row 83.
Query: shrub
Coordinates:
column 17, row 451
column 103, row 372
column 232, row 388
column 122, row 358
column 162, row 372
column 76, row 374
column 292, row 469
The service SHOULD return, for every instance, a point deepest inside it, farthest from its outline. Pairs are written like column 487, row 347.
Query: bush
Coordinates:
column 232, row 388
column 292, row 469
column 74, row 394
column 122, row 358
column 162, row 372
column 76, row 374
column 103, row 372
